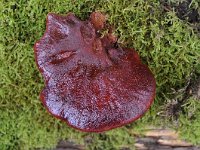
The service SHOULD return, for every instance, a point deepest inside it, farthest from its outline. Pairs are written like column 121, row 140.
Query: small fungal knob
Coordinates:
column 98, row 20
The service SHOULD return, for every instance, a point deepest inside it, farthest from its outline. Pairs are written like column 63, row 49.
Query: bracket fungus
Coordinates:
column 91, row 83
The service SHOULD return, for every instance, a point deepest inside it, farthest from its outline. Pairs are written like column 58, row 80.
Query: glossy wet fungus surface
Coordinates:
column 91, row 83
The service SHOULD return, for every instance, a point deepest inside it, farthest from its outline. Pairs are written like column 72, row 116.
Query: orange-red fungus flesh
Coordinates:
column 91, row 83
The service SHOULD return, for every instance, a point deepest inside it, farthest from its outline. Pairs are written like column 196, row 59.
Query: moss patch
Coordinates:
column 168, row 45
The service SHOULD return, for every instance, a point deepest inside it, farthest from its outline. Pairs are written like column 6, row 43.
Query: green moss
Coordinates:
column 189, row 123
column 165, row 43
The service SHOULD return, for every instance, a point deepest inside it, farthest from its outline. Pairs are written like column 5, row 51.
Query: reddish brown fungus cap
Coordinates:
column 90, row 81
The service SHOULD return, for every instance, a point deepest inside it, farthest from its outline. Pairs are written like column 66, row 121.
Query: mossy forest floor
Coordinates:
column 164, row 33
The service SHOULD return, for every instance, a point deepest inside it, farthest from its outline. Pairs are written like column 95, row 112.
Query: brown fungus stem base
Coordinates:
column 91, row 83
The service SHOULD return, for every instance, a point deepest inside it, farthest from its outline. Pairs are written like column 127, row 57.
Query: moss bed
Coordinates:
column 170, row 46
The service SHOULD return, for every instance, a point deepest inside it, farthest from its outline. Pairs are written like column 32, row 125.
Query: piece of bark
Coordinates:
column 140, row 146
column 162, row 133
column 174, row 142
column 68, row 145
